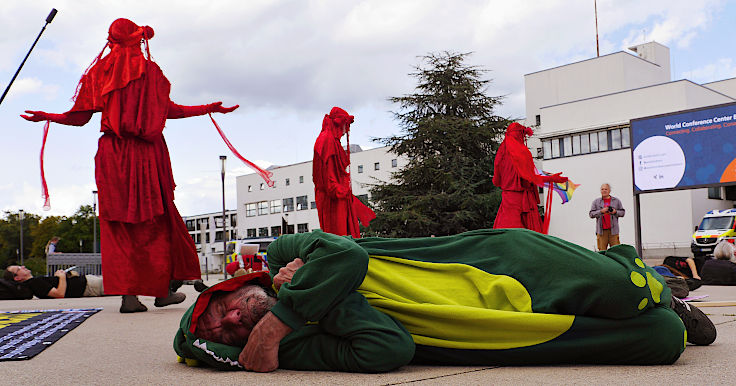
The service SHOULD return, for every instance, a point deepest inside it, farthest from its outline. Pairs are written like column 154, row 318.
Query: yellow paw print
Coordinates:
column 655, row 287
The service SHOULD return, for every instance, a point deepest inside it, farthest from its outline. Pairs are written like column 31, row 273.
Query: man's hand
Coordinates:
column 35, row 116
column 604, row 210
column 217, row 108
column 557, row 177
column 287, row 273
column 261, row 353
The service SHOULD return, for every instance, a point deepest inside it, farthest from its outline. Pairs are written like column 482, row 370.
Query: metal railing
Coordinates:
column 86, row 263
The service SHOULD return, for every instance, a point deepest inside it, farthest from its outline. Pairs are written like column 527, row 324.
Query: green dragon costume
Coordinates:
column 485, row 297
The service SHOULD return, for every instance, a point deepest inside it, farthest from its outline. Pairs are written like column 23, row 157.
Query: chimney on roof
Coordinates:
column 656, row 53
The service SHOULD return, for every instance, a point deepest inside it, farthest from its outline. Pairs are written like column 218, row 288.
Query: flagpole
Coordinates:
column 597, row 50
column 49, row 18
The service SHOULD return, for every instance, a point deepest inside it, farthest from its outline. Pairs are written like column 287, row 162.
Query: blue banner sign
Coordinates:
column 684, row 150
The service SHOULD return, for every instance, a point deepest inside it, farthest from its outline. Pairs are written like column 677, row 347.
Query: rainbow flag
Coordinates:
column 563, row 189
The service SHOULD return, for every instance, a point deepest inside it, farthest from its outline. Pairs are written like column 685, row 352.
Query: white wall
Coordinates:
column 361, row 185
column 726, row 86
column 604, row 75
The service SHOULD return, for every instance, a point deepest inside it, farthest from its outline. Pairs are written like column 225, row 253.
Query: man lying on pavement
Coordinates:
column 485, row 297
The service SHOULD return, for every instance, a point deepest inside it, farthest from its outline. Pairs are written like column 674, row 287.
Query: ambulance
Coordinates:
column 716, row 225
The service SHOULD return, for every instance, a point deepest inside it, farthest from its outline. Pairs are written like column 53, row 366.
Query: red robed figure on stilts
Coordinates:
column 144, row 242
column 515, row 174
column 338, row 210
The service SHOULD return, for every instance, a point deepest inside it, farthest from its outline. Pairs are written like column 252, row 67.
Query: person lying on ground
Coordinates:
column 61, row 285
column 477, row 298
column 722, row 269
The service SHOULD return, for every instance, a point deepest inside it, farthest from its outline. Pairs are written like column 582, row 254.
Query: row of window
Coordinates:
column 204, row 223
column 287, row 181
column 197, row 237
column 277, row 206
column 592, row 142
column 275, row 230
column 377, row 165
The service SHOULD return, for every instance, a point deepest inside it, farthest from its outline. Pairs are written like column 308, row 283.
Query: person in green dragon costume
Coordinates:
column 485, row 297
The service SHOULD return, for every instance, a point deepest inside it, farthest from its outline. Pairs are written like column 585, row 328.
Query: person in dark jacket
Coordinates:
column 721, row 270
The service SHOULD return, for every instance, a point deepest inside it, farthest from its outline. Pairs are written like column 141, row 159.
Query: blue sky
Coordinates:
column 288, row 62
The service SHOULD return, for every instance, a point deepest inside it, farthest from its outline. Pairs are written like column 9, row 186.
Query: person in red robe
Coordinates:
column 144, row 242
column 338, row 209
column 515, row 174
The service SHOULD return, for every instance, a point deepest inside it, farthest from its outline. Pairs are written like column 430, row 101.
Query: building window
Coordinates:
column 301, row 203
column 394, row 163
column 195, row 237
column 251, row 232
column 218, row 236
column 538, row 119
column 615, row 139
column 301, row 179
column 567, row 146
column 602, row 141
column 360, row 168
column 377, row 166
column 275, row 231
column 207, row 237
column 190, row 225
column 204, row 223
column 625, row 137
column 287, row 182
column 547, row 149
column 262, row 186
column 288, row 204
column 234, row 234
column 593, row 142
column 250, row 188
column 234, row 220
column 302, row 228
column 218, row 221
column 313, row 204
column 263, row 232
column 576, row 144
column 555, row 148
column 584, row 143
column 262, row 208
column 275, row 206
column 715, row 193
column 250, row 209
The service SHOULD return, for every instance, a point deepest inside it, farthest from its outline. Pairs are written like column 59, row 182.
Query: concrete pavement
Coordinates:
column 133, row 349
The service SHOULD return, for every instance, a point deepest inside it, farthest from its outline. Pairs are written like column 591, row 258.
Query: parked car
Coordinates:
column 716, row 225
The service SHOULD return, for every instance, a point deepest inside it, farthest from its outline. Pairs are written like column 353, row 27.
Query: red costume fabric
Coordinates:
column 338, row 210
column 515, row 174
column 144, row 242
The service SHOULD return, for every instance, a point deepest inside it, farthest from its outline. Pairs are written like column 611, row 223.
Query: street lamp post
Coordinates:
column 20, row 219
column 224, row 225
column 94, row 221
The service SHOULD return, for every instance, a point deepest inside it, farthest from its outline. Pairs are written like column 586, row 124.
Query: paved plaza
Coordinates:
column 135, row 349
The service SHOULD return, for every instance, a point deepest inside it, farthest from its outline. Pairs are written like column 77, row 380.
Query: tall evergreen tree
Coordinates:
column 449, row 135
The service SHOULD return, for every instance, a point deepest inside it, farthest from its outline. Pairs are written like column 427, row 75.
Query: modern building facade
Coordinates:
column 262, row 210
column 207, row 232
column 581, row 113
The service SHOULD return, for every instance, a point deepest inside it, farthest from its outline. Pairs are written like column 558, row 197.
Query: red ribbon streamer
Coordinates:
column 265, row 174
column 44, row 188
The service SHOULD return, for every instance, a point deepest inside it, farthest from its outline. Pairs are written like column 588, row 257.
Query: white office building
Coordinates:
column 206, row 230
column 261, row 209
column 582, row 113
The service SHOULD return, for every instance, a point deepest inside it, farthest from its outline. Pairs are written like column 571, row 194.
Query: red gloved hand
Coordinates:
column 36, row 116
column 217, row 108
column 557, row 178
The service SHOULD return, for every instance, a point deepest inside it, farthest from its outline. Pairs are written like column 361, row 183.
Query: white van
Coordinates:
column 716, row 225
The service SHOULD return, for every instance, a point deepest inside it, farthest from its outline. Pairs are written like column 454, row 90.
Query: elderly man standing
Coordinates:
column 606, row 211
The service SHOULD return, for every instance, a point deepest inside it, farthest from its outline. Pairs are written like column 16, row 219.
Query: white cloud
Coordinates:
column 723, row 68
